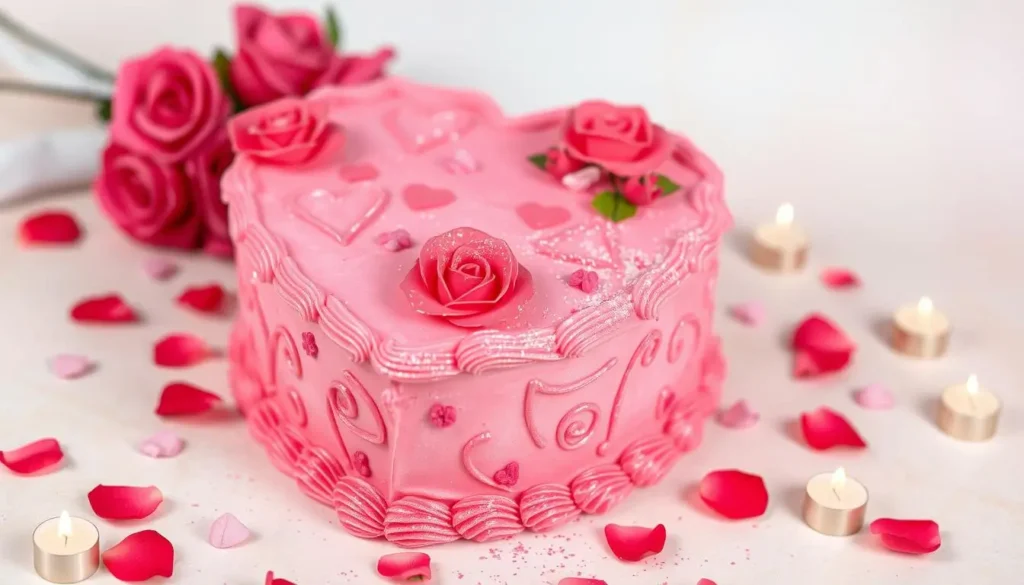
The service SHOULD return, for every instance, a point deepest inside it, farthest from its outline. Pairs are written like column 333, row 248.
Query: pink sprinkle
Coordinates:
column 739, row 416
column 442, row 416
column 69, row 366
column 309, row 344
column 159, row 268
column 874, row 397
column 585, row 280
column 227, row 532
column 395, row 241
column 162, row 444
column 751, row 313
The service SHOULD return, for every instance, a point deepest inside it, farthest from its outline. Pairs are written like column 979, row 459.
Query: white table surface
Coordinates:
column 895, row 128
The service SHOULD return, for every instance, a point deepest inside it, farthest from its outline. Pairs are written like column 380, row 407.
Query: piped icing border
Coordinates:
column 478, row 351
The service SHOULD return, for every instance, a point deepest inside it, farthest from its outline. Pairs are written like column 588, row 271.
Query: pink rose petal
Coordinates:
column 163, row 444
column 706, row 582
column 43, row 454
column 912, row 537
column 825, row 428
column 738, row 416
column 874, row 397
column 751, row 313
column 69, row 366
column 839, row 278
column 159, row 268
column 227, row 532
column 635, row 543
column 404, row 567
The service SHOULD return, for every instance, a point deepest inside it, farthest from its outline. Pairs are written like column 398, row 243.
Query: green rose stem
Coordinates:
column 52, row 91
column 33, row 40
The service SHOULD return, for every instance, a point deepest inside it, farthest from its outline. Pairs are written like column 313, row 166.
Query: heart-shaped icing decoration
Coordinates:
column 419, row 131
column 590, row 246
column 359, row 172
column 420, row 197
column 541, row 217
column 507, row 476
column 341, row 215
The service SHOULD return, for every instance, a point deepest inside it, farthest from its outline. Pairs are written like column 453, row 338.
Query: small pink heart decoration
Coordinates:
column 421, row 197
column 69, row 366
column 540, row 217
column 161, row 445
column 507, row 476
column 738, row 416
column 874, row 397
column 359, row 172
column 228, row 531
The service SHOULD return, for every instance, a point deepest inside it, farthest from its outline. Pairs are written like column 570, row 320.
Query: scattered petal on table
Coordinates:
column 874, row 397
column 140, row 556
column 751, row 313
column 581, row 581
column 270, row 580
column 706, row 582
column 48, row 228
column 227, row 531
column 820, row 347
column 205, row 299
column 734, row 494
column 180, row 398
column 406, row 566
column 738, row 416
column 159, row 268
column 912, row 537
column 103, row 309
column 180, row 350
column 162, row 444
column 839, row 278
column 33, row 457
column 68, row 366
column 635, row 543
column 122, row 502
column 825, row 428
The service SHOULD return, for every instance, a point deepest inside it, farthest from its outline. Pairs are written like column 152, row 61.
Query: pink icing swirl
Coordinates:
column 656, row 284
column 298, row 291
column 341, row 326
column 488, row 350
column 592, row 325
column 600, row 488
column 648, row 460
column 414, row 522
column 546, row 507
column 317, row 472
column 360, row 507
column 485, row 518
column 414, row 363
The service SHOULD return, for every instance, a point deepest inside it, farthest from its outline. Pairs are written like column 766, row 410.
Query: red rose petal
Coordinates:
column 581, row 581
column 839, row 278
column 734, row 493
column 270, row 580
column 825, row 428
column 105, row 309
column 179, row 398
column 706, row 582
column 635, row 543
column 122, row 502
column 180, row 350
column 912, row 537
column 49, row 227
column 408, row 566
column 140, row 556
column 205, row 299
column 820, row 347
column 33, row 457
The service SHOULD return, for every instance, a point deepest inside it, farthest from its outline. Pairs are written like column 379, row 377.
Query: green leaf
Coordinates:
column 332, row 26
column 222, row 65
column 613, row 206
column 539, row 160
column 667, row 185
column 104, row 110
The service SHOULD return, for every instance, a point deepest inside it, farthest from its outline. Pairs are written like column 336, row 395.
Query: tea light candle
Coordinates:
column 920, row 330
column 835, row 504
column 780, row 246
column 969, row 412
column 66, row 549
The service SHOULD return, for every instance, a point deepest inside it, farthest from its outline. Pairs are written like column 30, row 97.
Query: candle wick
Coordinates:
column 65, row 542
column 838, row 499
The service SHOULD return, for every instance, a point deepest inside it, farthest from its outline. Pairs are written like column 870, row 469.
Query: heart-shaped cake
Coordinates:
column 458, row 324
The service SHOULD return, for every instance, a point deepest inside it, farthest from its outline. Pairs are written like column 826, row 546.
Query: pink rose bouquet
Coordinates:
column 170, row 141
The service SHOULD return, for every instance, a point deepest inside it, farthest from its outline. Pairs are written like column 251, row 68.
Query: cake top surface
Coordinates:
column 339, row 210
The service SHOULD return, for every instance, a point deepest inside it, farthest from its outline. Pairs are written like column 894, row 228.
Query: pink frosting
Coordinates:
column 317, row 472
column 414, row 522
column 360, row 507
column 647, row 461
column 600, row 489
column 621, row 139
column 546, row 507
column 485, row 518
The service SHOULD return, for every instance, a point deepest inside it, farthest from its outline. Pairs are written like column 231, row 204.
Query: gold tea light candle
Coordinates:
column 780, row 246
column 920, row 330
column 969, row 412
column 66, row 549
column 835, row 504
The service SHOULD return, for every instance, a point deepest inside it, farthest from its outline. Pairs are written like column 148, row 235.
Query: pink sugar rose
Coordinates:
column 167, row 105
column 469, row 278
column 560, row 164
column 150, row 201
column 641, row 190
column 204, row 171
column 288, row 132
column 621, row 139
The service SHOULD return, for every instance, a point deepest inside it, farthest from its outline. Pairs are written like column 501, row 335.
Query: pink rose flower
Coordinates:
column 641, row 190
column 469, row 278
column 355, row 69
column 560, row 164
column 205, row 171
column 167, row 104
column 621, row 139
column 288, row 132
column 148, row 200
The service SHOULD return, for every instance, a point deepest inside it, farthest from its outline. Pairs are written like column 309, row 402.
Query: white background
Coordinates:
column 895, row 127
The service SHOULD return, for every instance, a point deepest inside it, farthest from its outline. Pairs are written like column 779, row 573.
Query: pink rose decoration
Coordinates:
column 167, row 105
column 289, row 54
column 205, row 171
column 621, row 139
column 288, row 132
column 148, row 200
column 559, row 164
column 641, row 190
column 469, row 278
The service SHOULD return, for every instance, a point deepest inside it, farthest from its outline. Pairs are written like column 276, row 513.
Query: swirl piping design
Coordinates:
column 484, row 351
column 645, row 354
column 471, row 468
column 344, row 408
column 360, row 507
column 578, row 434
